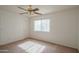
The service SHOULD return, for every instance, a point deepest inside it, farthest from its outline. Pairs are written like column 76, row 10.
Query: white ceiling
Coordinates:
column 44, row 9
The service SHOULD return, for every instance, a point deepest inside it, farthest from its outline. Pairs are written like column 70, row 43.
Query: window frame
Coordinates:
column 41, row 29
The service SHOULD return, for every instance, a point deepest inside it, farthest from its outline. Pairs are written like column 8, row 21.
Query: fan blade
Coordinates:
column 37, row 13
column 36, row 9
column 24, row 13
column 22, row 8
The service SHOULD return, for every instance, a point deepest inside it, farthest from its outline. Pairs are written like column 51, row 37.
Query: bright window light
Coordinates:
column 32, row 47
column 37, row 25
column 42, row 25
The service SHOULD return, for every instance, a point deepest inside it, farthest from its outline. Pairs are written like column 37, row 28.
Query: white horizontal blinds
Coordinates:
column 37, row 25
column 42, row 25
column 45, row 25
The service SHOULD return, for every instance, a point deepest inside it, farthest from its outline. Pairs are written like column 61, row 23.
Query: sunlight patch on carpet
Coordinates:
column 32, row 47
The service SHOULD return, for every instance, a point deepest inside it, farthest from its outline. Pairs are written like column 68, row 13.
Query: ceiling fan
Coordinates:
column 30, row 11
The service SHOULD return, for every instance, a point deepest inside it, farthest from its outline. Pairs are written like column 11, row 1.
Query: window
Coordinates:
column 41, row 25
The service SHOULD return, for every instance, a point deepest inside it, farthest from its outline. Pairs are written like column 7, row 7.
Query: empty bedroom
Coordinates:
column 39, row 29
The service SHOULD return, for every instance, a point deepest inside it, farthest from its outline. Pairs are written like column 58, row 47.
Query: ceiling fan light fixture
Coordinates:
column 30, row 10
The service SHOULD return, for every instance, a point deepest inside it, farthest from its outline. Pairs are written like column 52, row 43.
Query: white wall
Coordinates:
column 63, row 28
column 78, row 28
column 13, row 27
